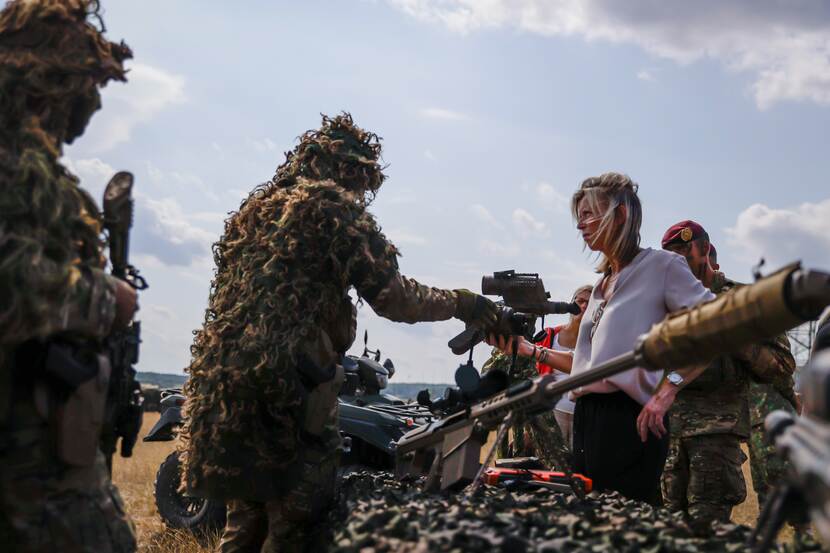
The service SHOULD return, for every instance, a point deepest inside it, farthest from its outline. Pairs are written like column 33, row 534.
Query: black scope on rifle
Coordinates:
column 524, row 292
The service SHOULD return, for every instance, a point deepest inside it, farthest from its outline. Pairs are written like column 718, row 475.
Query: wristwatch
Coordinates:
column 674, row 378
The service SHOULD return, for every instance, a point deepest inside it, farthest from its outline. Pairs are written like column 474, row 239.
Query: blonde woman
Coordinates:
column 620, row 436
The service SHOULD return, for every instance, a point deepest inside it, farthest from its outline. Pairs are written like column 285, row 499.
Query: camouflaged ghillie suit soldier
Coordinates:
column 539, row 436
column 261, row 428
column 56, row 302
column 702, row 476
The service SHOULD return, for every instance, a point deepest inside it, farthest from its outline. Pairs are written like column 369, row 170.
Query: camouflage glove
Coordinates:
column 474, row 309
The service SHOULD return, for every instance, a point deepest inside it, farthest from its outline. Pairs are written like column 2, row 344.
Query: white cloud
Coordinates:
column 527, row 225
column 429, row 155
column 483, row 214
column 399, row 236
column 551, row 198
column 264, row 145
column 149, row 90
column 164, row 231
column 499, row 249
column 180, row 180
column 443, row 114
column 784, row 235
column 645, row 75
column 93, row 173
column 784, row 45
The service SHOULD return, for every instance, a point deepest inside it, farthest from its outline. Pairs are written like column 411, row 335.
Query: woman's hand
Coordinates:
column 507, row 343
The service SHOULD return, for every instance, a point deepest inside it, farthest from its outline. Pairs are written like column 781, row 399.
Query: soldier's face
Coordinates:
column 696, row 257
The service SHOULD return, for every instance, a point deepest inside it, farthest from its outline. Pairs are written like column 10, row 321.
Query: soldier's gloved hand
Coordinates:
column 475, row 309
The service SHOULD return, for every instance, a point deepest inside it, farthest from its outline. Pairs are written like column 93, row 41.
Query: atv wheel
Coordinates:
column 180, row 511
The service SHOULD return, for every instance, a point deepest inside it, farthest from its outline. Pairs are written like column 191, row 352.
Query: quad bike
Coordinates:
column 370, row 423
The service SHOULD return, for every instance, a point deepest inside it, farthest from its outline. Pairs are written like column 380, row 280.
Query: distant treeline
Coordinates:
column 406, row 390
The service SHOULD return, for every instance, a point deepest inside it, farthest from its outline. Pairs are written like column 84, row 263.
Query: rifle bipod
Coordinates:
column 491, row 453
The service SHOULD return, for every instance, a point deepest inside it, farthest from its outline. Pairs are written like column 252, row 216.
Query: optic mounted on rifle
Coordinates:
column 524, row 292
column 525, row 299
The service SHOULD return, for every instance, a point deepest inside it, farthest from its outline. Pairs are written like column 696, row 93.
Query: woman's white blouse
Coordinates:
column 654, row 284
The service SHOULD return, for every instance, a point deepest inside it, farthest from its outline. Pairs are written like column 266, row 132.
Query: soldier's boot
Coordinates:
column 295, row 521
column 701, row 515
column 246, row 527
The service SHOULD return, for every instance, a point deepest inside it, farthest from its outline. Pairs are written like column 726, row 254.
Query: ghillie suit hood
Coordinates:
column 338, row 150
column 279, row 298
column 52, row 61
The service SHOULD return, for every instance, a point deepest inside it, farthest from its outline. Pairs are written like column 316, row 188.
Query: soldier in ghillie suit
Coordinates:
column 261, row 430
column 56, row 304
column 539, row 436
column 708, row 420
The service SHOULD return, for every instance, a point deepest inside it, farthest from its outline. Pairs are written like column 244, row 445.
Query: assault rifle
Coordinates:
column 124, row 401
column 525, row 299
column 805, row 443
column 448, row 450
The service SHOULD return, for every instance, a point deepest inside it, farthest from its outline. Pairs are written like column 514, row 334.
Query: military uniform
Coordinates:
column 766, row 467
column 538, row 436
column 708, row 421
column 261, row 429
column 57, row 304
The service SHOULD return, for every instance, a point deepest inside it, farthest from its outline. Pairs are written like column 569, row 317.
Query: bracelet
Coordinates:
column 535, row 352
column 543, row 356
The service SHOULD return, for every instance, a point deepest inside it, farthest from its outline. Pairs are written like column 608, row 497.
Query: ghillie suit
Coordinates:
column 261, row 413
column 57, row 303
column 539, row 436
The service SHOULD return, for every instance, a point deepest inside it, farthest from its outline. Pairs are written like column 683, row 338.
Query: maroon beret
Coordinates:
column 682, row 233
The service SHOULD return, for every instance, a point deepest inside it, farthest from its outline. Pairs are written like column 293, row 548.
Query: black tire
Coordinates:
column 179, row 511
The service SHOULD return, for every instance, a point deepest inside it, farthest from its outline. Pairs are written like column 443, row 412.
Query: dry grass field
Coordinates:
column 135, row 478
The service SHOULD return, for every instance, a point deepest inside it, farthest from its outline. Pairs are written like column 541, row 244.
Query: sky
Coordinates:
column 491, row 111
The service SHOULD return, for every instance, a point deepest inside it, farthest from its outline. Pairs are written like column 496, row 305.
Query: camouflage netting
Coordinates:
column 376, row 513
column 283, row 267
column 52, row 61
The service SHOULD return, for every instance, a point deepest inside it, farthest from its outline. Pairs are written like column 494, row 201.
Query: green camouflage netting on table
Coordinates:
column 376, row 513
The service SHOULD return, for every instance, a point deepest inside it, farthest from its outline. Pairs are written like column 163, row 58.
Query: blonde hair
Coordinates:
column 605, row 194
column 587, row 288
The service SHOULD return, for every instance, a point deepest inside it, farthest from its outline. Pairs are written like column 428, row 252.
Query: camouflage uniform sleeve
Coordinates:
column 772, row 362
column 87, row 307
column 376, row 277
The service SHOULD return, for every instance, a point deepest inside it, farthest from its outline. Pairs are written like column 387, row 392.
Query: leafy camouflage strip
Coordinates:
column 52, row 59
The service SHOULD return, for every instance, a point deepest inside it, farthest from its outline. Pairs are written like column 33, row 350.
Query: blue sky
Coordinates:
column 492, row 112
